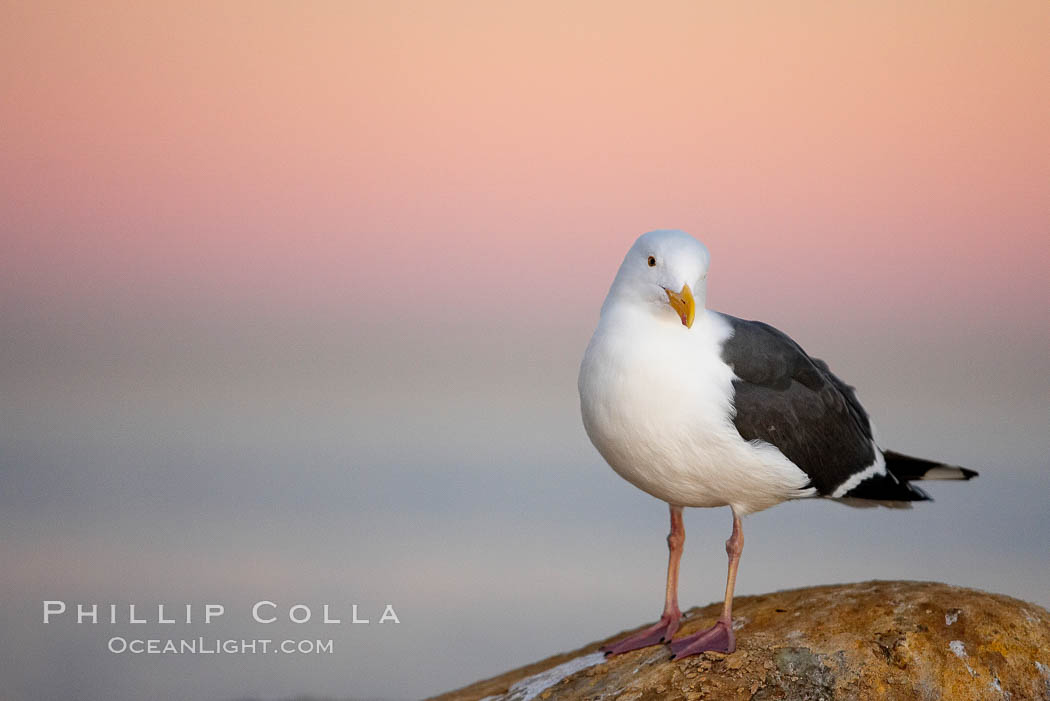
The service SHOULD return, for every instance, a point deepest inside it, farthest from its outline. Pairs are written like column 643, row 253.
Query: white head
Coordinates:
column 666, row 270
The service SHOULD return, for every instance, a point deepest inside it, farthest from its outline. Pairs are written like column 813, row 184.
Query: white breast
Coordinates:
column 656, row 400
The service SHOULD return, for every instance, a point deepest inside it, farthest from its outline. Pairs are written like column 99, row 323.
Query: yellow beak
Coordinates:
column 683, row 303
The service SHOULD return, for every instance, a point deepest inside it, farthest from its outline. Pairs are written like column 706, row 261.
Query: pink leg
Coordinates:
column 719, row 636
column 668, row 623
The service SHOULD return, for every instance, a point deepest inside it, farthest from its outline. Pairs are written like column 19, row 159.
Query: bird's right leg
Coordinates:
column 666, row 627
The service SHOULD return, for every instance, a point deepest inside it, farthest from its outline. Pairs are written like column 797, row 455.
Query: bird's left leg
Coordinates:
column 663, row 629
column 720, row 636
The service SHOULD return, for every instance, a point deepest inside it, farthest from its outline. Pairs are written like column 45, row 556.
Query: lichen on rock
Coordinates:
column 871, row 640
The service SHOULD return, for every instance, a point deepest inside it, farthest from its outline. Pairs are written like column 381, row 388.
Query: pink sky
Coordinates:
column 326, row 155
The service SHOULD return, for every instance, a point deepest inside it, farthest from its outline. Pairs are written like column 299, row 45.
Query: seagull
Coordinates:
column 702, row 409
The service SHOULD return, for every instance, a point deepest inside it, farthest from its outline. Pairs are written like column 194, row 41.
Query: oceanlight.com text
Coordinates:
column 215, row 646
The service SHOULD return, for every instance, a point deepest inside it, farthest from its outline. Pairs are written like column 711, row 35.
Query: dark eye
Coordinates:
column 652, row 262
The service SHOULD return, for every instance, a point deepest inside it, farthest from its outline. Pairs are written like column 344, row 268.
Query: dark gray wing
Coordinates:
column 795, row 402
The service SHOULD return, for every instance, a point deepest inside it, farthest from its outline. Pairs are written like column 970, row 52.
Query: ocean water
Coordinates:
column 443, row 472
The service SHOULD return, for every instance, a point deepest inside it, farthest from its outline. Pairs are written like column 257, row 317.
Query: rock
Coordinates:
column 872, row 640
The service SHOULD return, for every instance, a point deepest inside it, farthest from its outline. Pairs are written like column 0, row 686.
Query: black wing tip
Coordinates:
column 906, row 468
column 885, row 488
